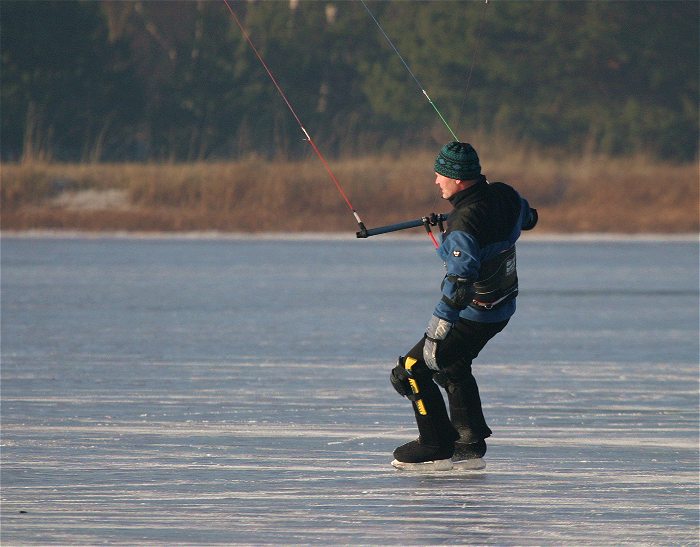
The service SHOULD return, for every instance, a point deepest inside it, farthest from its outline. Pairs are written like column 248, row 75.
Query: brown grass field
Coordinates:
column 572, row 194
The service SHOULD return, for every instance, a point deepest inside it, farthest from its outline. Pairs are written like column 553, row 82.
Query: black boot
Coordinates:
column 419, row 452
column 469, row 455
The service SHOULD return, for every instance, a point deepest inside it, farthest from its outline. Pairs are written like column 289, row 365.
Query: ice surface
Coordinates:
column 202, row 391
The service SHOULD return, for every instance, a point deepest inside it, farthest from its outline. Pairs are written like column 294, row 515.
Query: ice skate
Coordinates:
column 469, row 455
column 416, row 456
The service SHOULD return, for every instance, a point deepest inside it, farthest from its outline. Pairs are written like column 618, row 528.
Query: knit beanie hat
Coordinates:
column 458, row 160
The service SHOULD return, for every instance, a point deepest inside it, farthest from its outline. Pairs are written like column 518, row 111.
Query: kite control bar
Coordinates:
column 427, row 221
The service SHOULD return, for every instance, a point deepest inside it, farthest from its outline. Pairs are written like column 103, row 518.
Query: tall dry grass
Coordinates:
column 586, row 193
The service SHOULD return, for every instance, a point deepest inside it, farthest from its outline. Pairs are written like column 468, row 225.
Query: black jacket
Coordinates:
column 486, row 220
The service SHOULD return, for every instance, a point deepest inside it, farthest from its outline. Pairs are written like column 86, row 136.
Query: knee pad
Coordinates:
column 402, row 378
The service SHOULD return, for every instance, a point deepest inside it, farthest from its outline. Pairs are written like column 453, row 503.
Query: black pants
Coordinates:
column 455, row 354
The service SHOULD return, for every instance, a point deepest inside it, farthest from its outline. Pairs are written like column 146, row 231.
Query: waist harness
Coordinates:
column 497, row 283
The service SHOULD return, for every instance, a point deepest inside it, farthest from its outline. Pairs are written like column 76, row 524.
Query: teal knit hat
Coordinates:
column 458, row 160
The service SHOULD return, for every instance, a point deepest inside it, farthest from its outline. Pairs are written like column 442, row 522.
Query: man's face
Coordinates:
column 449, row 187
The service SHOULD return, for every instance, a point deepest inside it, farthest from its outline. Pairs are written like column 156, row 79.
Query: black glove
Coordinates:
column 531, row 220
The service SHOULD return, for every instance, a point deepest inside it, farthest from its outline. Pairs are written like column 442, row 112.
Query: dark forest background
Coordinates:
column 175, row 81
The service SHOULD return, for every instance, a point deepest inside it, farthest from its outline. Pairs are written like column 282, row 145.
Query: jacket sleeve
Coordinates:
column 460, row 251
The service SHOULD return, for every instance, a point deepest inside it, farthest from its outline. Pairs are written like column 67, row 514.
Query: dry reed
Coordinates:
column 588, row 193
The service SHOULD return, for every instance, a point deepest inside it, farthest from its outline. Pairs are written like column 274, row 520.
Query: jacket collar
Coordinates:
column 470, row 195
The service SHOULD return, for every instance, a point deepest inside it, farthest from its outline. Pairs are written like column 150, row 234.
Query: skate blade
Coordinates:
column 472, row 464
column 437, row 465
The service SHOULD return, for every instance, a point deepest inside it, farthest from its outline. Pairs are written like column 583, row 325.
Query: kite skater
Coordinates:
column 479, row 291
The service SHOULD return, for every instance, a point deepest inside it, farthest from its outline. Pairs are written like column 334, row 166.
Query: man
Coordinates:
column 478, row 299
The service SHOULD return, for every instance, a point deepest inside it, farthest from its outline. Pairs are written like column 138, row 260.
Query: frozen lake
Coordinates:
column 235, row 391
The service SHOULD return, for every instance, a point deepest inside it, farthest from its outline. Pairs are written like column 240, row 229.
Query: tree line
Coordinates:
column 176, row 81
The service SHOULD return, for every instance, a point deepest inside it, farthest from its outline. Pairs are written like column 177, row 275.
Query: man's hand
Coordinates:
column 530, row 220
column 437, row 330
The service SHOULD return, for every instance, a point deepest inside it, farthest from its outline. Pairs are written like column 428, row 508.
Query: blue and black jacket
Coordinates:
column 481, row 232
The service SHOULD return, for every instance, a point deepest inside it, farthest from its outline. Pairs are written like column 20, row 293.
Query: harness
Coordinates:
column 497, row 283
